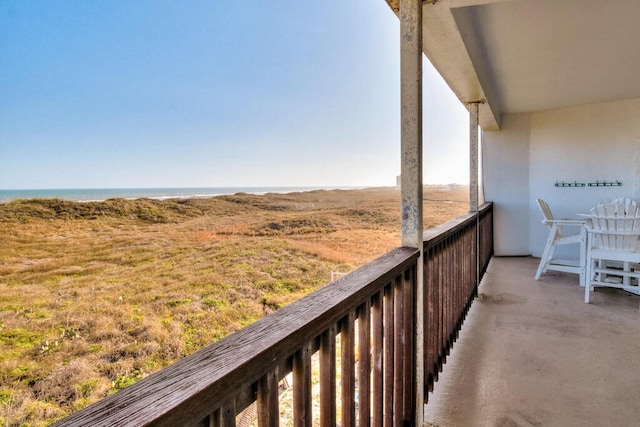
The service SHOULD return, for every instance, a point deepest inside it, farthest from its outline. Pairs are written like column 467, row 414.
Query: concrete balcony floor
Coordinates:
column 532, row 353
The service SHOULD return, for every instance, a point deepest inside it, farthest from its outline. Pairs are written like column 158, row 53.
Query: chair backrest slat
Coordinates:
column 622, row 217
column 546, row 211
column 635, row 228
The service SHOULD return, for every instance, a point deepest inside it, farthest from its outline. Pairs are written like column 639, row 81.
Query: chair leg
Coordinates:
column 588, row 276
column 583, row 256
column 626, row 280
column 548, row 252
column 587, row 284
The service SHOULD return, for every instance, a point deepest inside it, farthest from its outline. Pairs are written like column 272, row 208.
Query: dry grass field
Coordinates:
column 96, row 295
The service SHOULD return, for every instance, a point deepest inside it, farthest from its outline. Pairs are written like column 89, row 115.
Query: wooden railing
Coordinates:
column 349, row 348
column 456, row 255
column 361, row 330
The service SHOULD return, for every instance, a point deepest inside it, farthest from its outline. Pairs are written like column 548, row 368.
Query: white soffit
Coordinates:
column 531, row 55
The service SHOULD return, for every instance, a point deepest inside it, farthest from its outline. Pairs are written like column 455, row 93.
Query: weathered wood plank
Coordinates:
column 225, row 416
column 364, row 365
column 377, row 360
column 302, row 399
column 430, row 332
column 440, row 304
column 486, row 238
column 408, row 303
column 347, row 342
column 434, row 236
column 186, row 392
column 389, row 341
column 328, row 389
column 398, row 353
column 268, row 402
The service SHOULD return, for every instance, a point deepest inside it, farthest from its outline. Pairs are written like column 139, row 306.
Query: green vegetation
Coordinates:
column 95, row 296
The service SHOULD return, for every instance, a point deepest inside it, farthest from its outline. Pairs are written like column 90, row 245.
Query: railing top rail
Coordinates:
column 435, row 235
column 188, row 389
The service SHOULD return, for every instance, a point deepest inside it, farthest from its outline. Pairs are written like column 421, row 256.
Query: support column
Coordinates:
column 411, row 121
column 473, row 157
column 411, row 167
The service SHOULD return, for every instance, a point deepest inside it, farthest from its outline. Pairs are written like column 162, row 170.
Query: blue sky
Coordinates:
column 159, row 93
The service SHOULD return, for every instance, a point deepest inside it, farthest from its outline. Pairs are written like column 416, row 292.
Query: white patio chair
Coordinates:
column 613, row 249
column 627, row 205
column 557, row 237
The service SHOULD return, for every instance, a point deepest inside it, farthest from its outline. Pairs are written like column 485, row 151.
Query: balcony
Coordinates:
column 533, row 353
column 348, row 351
column 529, row 352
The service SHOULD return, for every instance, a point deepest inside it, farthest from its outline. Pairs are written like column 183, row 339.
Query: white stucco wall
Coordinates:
column 531, row 152
column 505, row 169
column 583, row 144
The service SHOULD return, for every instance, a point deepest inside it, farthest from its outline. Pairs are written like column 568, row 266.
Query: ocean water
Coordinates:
column 99, row 194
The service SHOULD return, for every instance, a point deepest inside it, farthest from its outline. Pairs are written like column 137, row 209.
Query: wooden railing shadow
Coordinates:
column 361, row 329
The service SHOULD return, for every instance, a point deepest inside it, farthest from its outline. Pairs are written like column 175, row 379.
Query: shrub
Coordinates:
column 60, row 386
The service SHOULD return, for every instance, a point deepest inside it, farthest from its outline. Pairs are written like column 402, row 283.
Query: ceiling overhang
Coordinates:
column 530, row 55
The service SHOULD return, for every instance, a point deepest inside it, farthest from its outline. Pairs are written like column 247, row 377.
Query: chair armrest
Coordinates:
column 567, row 221
column 613, row 232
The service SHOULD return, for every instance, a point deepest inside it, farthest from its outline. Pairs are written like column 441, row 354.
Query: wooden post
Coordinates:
column 473, row 157
column 473, row 177
column 411, row 165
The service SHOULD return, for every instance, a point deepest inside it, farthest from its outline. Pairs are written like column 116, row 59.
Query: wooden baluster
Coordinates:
column 440, row 286
column 388, row 342
column 398, row 347
column 431, row 329
column 347, row 339
column 302, row 404
column 408, row 304
column 364, row 365
column 328, row 378
column 225, row 416
column 377, row 359
column 268, row 400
